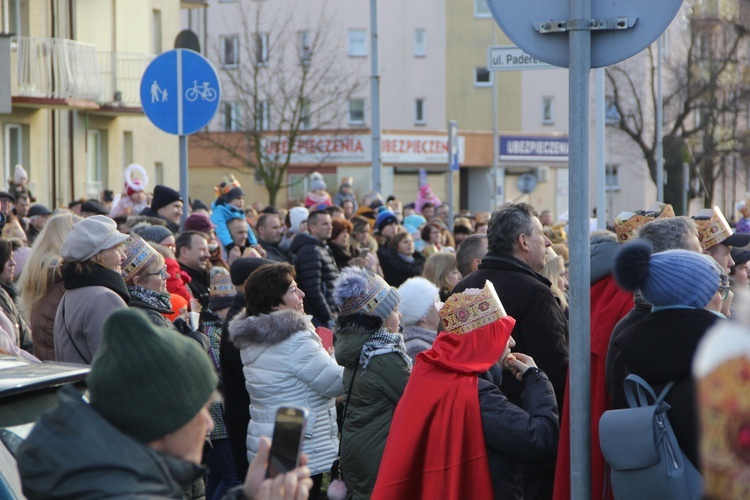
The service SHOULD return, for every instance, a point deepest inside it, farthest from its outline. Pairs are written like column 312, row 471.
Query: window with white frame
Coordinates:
column 481, row 9
column 357, row 43
column 262, row 115
column 356, row 111
column 231, row 115
column 612, row 178
column 230, row 50
column 305, row 115
column 305, row 45
column 15, row 152
column 96, row 162
column 548, row 110
column 15, row 17
column 482, row 77
column 419, row 111
column 261, row 49
column 156, row 47
column 420, row 48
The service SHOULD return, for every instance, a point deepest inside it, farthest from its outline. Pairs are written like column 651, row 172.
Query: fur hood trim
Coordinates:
column 267, row 329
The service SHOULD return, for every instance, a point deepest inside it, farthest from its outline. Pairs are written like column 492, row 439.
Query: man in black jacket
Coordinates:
column 316, row 267
column 270, row 232
column 166, row 204
column 517, row 248
column 192, row 254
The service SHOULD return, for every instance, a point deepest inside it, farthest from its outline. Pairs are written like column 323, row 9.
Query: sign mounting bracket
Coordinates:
column 614, row 23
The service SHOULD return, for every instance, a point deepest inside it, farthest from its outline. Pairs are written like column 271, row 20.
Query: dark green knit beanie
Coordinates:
column 148, row 381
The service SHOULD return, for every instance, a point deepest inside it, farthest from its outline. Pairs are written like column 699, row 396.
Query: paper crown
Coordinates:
column 556, row 233
column 221, row 283
column 138, row 256
column 471, row 309
column 722, row 371
column 713, row 227
column 627, row 223
column 226, row 186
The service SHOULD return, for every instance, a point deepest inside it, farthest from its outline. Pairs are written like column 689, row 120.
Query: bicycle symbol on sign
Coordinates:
column 203, row 91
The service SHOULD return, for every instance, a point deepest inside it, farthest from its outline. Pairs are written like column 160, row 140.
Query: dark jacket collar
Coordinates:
column 507, row 262
column 196, row 274
column 99, row 277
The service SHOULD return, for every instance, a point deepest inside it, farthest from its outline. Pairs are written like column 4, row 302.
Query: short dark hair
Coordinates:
column 427, row 229
column 313, row 217
column 507, row 224
column 347, row 201
column 263, row 218
column 396, row 239
column 185, row 240
column 6, row 252
column 468, row 250
column 428, row 205
column 266, row 286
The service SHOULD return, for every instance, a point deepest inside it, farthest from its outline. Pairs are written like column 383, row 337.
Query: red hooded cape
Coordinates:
column 436, row 446
column 609, row 304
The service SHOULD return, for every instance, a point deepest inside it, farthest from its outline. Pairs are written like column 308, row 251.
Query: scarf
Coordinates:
column 383, row 342
column 407, row 258
column 157, row 300
column 100, row 276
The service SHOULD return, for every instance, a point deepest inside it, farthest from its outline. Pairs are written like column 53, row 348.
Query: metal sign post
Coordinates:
column 579, row 35
column 180, row 94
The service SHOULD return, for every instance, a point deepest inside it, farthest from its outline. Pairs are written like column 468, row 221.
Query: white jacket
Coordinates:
column 285, row 364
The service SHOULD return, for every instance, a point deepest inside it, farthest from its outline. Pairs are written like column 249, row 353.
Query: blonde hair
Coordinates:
column 13, row 229
column 437, row 267
column 43, row 264
column 561, row 249
column 553, row 269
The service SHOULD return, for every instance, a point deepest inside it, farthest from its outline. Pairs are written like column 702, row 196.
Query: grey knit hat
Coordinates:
column 357, row 290
column 148, row 381
column 89, row 237
column 152, row 233
column 671, row 278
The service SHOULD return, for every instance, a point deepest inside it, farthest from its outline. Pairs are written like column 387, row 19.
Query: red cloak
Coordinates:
column 436, row 446
column 609, row 304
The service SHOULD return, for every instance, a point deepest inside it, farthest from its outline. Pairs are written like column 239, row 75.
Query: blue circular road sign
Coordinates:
column 180, row 92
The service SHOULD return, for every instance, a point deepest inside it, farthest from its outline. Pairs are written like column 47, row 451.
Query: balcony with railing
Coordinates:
column 55, row 72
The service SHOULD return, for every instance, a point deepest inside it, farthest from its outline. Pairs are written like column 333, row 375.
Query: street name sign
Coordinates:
column 511, row 58
column 180, row 92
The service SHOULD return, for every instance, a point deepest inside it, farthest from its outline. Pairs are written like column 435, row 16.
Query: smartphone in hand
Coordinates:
column 288, row 437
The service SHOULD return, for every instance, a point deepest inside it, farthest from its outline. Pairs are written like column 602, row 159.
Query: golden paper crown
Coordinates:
column 138, row 256
column 556, row 233
column 626, row 225
column 221, row 283
column 713, row 230
column 471, row 309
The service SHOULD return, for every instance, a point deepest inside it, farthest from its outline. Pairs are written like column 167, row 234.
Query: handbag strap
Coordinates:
column 637, row 392
column 75, row 346
column 346, row 405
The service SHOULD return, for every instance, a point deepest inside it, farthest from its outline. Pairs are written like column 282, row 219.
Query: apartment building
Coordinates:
column 76, row 120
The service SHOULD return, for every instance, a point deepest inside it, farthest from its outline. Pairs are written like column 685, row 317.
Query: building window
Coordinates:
column 356, row 111
column 612, row 178
column 159, row 173
column 482, row 77
column 420, row 49
column 481, row 9
column 230, row 50
column 305, row 46
column 96, row 162
column 15, row 18
column 156, row 31
column 127, row 149
column 357, row 43
column 548, row 110
column 419, row 111
column 305, row 116
column 14, row 149
column 261, row 49
column 262, row 115
column 231, row 116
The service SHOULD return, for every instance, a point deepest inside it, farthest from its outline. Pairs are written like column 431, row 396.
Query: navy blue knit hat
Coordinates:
column 671, row 278
column 384, row 218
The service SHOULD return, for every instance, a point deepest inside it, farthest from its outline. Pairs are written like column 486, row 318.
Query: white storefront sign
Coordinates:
column 395, row 149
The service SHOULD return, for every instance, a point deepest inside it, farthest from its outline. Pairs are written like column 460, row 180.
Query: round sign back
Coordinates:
column 647, row 20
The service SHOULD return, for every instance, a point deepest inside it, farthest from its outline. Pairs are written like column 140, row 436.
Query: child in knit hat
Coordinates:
column 18, row 184
column 134, row 199
column 229, row 204
column 317, row 198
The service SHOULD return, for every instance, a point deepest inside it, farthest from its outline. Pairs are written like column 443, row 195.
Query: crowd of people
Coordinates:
column 448, row 370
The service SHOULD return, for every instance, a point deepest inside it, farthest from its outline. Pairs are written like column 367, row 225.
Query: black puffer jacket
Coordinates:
column 513, row 435
column 395, row 269
column 316, row 272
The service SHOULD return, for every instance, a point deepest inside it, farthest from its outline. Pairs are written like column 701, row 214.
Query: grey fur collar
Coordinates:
column 267, row 329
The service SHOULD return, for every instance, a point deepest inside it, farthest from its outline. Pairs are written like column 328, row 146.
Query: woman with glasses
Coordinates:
column 681, row 286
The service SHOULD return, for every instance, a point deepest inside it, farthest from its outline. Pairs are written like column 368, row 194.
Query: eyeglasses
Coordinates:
column 163, row 273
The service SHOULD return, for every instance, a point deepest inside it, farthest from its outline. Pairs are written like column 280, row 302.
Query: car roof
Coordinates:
column 18, row 375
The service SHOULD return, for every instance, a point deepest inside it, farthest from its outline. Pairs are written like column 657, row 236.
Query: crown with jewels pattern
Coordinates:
column 627, row 223
column 471, row 309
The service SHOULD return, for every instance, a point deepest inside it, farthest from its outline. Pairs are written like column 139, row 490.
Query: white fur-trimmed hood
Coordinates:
column 267, row 329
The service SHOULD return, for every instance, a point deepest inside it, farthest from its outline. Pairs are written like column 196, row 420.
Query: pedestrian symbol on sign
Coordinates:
column 204, row 91
column 157, row 94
